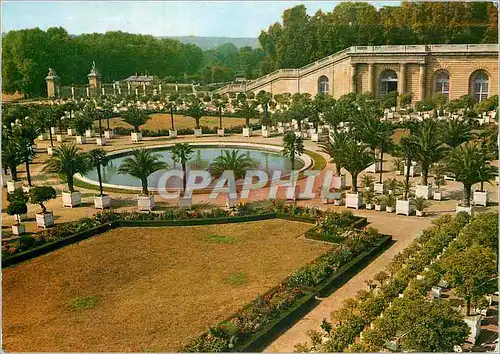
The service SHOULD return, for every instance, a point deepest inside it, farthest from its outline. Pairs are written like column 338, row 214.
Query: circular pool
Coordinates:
column 268, row 157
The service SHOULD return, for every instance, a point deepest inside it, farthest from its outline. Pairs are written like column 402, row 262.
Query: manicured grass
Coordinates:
column 220, row 239
column 160, row 121
column 146, row 289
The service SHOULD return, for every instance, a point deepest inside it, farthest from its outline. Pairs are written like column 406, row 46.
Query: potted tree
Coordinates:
column 420, row 205
column 247, row 108
column 220, row 104
column 439, row 180
column 135, row 117
column 97, row 159
column 81, row 122
column 404, row 205
column 196, row 110
column 17, row 207
column 66, row 161
column 392, row 185
column 380, row 203
column 181, row 153
column 390, row 202
column 39, row 195
column 11, row 158
column 293, row 146
column 486, row 174
column 172, row 103
column 398, row 165
column 468, row 163
column 367, row 182
column 141, row 165
column 369, row 196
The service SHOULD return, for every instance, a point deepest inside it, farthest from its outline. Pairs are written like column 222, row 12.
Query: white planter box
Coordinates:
column 390, row 115
column 437, row 196
column 108, row 134
column 465, row 209
column 415, row 170
column 71, row 199
column 100, row 141
column 220, row 132
column 60, row 138
column 374, row 168
column 19, row 229
column 281, row 130
column 474, row 323
column 263, row 127
column 389, row 209
column 185, row 202
column 145, row 202
column 369, row 206
column 403, row 207
column 50, row 150
column 81, row 139
column 247, row 132
column 42, row 137
column 315, row 137
column 198, row 133
column 419, row 213
column 44, row 220
column 265, row 133
column 423, row 191
column 70, row 132
column 295, row 195
column 53, row 130
column 89, row 133
column 379, row 207
column 102, row 202
column 172, row 134
column 353, row 200
column 13, row 185
column 378, row 188
column 480, row 198
column 136, row 137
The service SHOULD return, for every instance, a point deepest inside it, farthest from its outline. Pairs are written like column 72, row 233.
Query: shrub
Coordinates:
column 41, row 194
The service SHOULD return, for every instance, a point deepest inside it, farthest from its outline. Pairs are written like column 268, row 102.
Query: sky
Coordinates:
column 169, row 18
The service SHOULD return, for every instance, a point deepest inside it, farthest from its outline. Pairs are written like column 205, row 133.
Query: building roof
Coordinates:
column 139, row 78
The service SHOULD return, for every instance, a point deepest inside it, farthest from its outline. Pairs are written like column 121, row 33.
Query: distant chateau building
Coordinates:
column 452, row 69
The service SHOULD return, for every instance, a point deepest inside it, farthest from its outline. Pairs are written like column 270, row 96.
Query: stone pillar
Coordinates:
column 353, row 77
column 128, row 85
column 137, row 92
column 88, row 91
column 159, row 88
column 52, row 81
column 422, row 82
column 402, row 78
column 144, row 89
column 103, row 91
column 73, row 92
column 371, row 72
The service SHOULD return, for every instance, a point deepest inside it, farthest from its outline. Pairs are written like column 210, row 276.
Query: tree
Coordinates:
column 220, row 104
column 455, row 132
column 17, row 203
column 264, row 99
column 408, row 150
column 46, row 117
column 135, row 117
column 292, row 146
column 141, row 165
column 355, row 157
column 381, row 277
column 66, row 161
column 428, row 147
column 172, row 103
column 82, row 121
column 247, row 108
column 196, row 110
column 469, row 165
column 11, row 154
column 40, row 194
column 469, row 281
column 439, row 170
column 234, row 161
column 424, row 326
column 182, row 152
column 300, row 109
column 335, row 148
column 98, row 158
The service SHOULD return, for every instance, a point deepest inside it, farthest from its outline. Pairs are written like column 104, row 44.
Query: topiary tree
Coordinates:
column 40, row 194
column 81, row 122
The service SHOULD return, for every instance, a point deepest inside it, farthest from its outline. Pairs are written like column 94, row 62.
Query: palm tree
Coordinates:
column 334, row 147
column 455, row 132
column 292, row 146
column 196, row 110
column 46, row 117
column 469, row 165
column 407, row 150
column 25, row 133
column 264, row 99
column 141, row 165
column 172, row 103
column 182, row 152
column 66, row 161
column 233, row 161
column 98, row 158
column 428, row 147
column 247, row 108
column 220, row 103
column 11, row 154
column 135, row 117
column 355, row 157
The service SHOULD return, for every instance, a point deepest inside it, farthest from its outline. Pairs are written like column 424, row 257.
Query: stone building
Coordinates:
column 452, row 69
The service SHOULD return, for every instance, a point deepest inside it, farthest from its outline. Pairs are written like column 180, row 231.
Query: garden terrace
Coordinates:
column 152, row 290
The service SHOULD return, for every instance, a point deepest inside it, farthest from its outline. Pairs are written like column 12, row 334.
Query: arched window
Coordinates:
column 480, row 86
column 442, row 84
column 323, row 85
column 388, row 82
